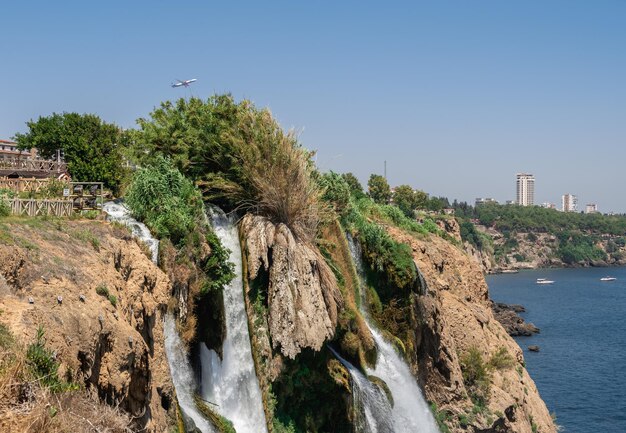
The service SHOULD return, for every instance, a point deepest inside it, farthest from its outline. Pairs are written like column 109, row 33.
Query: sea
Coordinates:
column 580, row 370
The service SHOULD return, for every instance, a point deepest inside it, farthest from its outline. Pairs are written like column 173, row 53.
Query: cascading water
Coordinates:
column 372, row 408
column 231, row 382
column 183, row 377
column 182, row 374
column 120, row 213
column 411, row 413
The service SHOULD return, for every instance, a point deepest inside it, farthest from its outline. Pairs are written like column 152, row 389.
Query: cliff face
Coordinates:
column 100, row 301
column 536, row 250
column 453, row 319
column 302, row 291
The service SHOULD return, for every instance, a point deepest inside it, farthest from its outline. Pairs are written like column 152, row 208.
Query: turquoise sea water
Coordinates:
column 581, row 368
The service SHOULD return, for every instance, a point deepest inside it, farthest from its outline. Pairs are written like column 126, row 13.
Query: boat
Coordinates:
column 544, row 281
column 608, row 279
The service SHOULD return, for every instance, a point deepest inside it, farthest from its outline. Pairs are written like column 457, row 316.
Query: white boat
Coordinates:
column 544, row 281
column 608, row 279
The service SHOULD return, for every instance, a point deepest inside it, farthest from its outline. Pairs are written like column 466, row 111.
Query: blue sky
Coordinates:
column 456, row 96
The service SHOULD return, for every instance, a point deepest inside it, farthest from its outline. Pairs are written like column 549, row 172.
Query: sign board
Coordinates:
column 66, row 192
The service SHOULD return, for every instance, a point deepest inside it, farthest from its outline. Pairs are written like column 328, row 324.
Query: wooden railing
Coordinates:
column 33, row 207
column 24, row 184
column 32, row 165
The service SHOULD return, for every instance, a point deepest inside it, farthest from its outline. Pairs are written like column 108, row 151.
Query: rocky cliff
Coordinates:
column 530, row 250
column 467, row 364
column 100, row 301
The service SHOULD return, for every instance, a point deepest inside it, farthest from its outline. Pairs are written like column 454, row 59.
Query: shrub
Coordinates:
column 167, row 202
column 476, row 375
column 43, row 364
column 336, row 191
column 5, row 209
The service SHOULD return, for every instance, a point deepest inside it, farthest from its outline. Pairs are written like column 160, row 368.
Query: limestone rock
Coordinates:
column 454, row 314
column 303, row 296
column 92, row 346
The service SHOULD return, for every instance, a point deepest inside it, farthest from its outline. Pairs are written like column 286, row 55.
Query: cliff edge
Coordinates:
column 466, row 362
column 100, row 301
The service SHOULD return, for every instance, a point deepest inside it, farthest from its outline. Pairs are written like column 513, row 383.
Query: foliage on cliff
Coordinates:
column 239, row 155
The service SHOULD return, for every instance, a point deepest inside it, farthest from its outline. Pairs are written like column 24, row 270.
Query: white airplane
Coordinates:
column 184, row 83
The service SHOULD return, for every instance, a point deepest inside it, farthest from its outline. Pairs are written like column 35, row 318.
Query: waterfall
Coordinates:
column 231, row 382
column 371, row 405
column 117, row 212
column 183, row 377
column 181, row 372
column 410, row 412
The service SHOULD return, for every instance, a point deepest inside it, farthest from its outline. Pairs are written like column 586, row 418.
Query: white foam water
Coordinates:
column 230, row 381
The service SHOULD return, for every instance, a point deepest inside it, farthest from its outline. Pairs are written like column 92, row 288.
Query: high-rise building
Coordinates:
column 569, row 203
column 591, row 208
column 525, row 189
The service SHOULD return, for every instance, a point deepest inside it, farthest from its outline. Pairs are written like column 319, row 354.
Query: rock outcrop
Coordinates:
column 303, row 297
column 511, row 321
column 107, row 331
column 453, row 317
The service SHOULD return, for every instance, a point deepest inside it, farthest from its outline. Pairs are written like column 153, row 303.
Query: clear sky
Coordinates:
column 456, row 96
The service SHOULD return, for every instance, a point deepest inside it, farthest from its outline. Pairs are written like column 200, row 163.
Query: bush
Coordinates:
column 5, row 209
column 336, row 191
column 477, row 374
column 167, row 202
column 43, row 364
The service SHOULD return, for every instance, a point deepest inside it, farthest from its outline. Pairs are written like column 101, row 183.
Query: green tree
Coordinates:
column 406, row 199
column 239, row 156
column 378, row 189
column 353, row 183
column 90, row 146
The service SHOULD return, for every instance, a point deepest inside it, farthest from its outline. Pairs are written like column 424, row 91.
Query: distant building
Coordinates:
column 8, row 149
column 569, row 203
column 525, row 189
column 448, row 211
column 591, row 208
column 487, row 200
column 548, row 205
column 510, row 202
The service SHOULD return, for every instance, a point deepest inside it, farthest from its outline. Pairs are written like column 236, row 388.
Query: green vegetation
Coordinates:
column 103, row 290
column 222, row 424
column 477, row 374
column 92, row 148
column 442, row 417
column 579, row 235
column 167, row 202
column 378, row 189
column 5, row 209
column 44, row 366
column 409, row 199
column 239, row 156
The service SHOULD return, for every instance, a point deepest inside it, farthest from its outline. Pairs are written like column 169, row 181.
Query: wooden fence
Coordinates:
column 32, row 165
column 33, row 207
column 24, row 184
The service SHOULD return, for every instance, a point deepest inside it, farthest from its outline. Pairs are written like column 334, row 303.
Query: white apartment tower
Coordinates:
column 569, row 203
column 525, row 189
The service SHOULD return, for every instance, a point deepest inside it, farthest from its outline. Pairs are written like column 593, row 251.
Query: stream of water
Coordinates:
column 230, row 382
column 410, row 413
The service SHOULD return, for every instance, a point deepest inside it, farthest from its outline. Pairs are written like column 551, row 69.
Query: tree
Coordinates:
column 354, row 184
column 406, row 199
column 378, row 189
column 91, row 147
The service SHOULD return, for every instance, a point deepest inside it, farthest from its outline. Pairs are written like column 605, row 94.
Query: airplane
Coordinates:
column 185, row 83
